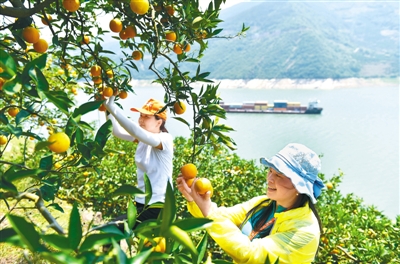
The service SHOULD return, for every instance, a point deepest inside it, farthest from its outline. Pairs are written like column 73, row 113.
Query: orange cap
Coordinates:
column 151, row 108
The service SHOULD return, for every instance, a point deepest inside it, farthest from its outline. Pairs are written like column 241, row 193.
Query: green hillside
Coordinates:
column 305, row 41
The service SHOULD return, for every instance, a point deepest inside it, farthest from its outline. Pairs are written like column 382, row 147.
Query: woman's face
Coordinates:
column 150, row 123
column 280, row 188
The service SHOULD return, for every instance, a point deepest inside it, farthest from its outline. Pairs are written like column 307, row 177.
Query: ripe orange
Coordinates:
column 123, row 94
column 48, row 18
column 130, row 31
column 71, row 5
column 170, row 36
column 97, row 80
column 170, row 10
column 13, row 111
column 329, row 185
column 187, row 47
column 136, row 55
column 179, row 107
column 102, row 108
column 110, row 74
column 203, row 185
column 115, row 25
column 85, row 40
column 30, row 34
column 123, row 34
column 95, row 70
column 2, row 81
column 160, row 244
column 60, row 142
column 178, row 49
column 189, row 182
column 107, row 92
column 3, row 140
column 41, row 46
column 140, row 7
column 189, row 171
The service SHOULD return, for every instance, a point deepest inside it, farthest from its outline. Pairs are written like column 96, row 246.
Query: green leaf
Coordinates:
column 58, row 241
column 42, row 145
column 75, row 228
column 12, row 86
column 26, row 232
column 8, row 186
column 38, row 78
column 7, row 63
column 3, row 118
column 202, row 247
column 8, row 235
column 141, row 257
column 45, row 164
column 21, row 174
column 85, row 151
column 169, row 210
column 192, row 224
column 60, row 100
column 79, row 136
column 148, row 189
column 21, row 116
column 182, row 238
column 128, row 190
column 61, row 258
column 131, row 214
column 93, row 240
column 86, row 108
column 104, row 133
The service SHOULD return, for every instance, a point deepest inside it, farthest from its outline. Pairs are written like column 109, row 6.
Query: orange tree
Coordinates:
column 40, row 77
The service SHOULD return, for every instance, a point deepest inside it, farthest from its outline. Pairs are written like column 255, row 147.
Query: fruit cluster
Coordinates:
column 201, row 185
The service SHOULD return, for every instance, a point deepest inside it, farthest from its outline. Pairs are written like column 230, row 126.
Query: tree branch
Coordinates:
column 20, row 11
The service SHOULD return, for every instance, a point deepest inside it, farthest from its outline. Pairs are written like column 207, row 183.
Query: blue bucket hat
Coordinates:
column 301, row 165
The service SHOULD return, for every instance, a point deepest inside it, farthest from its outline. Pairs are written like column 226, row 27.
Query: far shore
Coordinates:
column 322, row 84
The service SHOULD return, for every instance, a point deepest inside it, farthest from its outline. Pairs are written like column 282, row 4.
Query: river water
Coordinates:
column 357, row 133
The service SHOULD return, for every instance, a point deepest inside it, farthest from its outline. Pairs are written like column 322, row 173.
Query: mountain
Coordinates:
column 304, row 40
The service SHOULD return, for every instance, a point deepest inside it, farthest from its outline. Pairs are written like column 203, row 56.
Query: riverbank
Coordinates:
column 322, row 84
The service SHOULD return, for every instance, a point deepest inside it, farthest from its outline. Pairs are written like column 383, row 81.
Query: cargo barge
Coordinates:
column 277, row 107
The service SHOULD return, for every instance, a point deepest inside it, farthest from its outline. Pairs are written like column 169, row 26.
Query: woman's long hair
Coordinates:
column 162, row 127
column 269, row 205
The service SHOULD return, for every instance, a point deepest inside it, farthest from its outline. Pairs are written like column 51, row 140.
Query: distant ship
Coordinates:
column 277, row 107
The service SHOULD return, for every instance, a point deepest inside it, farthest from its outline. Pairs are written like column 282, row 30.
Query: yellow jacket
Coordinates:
column 294, row 237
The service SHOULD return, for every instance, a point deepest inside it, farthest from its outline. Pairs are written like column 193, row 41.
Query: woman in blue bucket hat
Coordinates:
column 282, row 225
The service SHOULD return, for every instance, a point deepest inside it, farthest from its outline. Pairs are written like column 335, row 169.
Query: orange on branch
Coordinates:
column 170, row 10
column 71, row 5
column 187, row 47
column 170, row 36
column 130, row 31
column 102, row 108
column 41, row 46
column 178, row 49
column 189, row 171
column 97, row 80
column 60, row 142
column 3, row 140
column 107, row 92
column 13, row 111
column 95, row 71
column 139, row 7
column 123, row 94
column 30, row 34
column 136, row 55
column 49, row 18
column 179, row 107
column 115, row 25
column 123, row 34
column 85, row 40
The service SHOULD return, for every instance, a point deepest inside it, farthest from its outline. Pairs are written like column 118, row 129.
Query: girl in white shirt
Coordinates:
column 154, row 152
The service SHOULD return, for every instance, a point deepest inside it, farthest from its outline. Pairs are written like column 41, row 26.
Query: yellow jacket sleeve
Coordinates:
column 294, row 237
